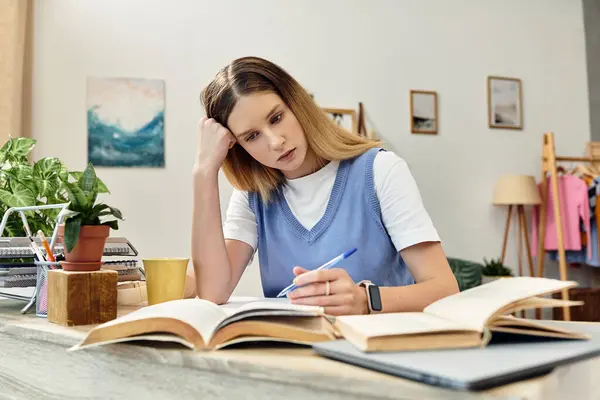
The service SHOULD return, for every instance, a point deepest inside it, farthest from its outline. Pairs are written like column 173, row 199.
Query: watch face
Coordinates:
column 375, row 297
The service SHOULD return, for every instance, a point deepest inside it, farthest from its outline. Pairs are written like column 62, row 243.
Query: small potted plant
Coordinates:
column 85, row 229
column 494, row 269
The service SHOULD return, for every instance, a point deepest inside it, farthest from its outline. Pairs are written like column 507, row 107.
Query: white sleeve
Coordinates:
column 240, row 221
column 402, row 210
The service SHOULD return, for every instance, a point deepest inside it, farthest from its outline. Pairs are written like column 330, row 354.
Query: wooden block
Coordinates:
column 82, row 298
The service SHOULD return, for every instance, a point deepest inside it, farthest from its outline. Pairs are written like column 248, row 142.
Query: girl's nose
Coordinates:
column 276, row 141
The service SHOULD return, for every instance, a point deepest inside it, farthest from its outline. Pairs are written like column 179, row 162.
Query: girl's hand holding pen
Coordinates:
column 332, row 289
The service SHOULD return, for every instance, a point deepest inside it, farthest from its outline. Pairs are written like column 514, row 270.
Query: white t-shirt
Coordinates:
column 402, row 210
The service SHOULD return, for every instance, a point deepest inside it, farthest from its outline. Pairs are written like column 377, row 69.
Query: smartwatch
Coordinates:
column 373, row 296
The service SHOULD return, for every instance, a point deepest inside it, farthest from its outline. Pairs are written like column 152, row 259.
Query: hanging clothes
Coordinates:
column 587, row 255
column 593, row 191
column 596, row 222
column 575, row 257
column 594, row 196
column 575, row 209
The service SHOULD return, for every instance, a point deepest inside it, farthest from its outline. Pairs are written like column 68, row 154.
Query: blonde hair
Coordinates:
column 248, row 75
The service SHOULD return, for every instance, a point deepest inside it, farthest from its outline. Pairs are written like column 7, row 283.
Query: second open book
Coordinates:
column 465, row 319
column 460, row 320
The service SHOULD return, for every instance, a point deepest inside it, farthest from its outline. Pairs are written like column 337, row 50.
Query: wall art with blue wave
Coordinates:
column 126, row 122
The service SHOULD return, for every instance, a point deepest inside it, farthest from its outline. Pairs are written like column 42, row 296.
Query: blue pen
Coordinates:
column 327, row 265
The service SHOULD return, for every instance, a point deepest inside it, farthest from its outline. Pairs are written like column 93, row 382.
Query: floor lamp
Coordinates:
column 517, row 191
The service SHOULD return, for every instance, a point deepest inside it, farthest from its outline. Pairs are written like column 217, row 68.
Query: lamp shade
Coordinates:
column 516, row 189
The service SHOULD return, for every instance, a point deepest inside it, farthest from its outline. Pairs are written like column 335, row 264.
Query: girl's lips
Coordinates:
column 287, row 155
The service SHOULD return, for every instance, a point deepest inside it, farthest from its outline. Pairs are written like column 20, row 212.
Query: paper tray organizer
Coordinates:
column 25, row 273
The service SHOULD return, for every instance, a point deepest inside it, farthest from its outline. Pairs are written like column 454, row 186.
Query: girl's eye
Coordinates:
column 251, row 137
column 276, row 118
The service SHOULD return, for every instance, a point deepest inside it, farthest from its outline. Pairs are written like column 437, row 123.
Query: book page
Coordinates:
column 167, row 338
column 280, row 304
column 473, row 307
column 238, row 310
column 539, row 302
column 404, row 323
column 236, row 302
column 202, row 315
column 241, row 303
column 512, row 324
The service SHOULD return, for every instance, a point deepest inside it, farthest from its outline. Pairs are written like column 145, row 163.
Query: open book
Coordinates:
column 203, row 325
column 466, row 319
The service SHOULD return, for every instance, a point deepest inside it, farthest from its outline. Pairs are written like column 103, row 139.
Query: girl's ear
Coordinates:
column 232, row 140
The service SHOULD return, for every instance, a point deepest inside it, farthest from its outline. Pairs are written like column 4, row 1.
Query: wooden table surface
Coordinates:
column 35, row 364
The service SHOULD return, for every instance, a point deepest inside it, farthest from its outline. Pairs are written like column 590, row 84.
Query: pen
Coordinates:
column 327, row 265
column 36, row 249
column 46, row 246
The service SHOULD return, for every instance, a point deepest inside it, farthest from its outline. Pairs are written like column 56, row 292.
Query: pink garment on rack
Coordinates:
column 574, row 209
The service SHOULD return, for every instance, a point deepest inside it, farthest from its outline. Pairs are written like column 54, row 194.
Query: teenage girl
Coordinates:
column 305, row 191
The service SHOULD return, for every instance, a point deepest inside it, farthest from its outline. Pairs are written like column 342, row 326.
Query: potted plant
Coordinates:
column 494, row 269
column 86, row 229
column 27, row 183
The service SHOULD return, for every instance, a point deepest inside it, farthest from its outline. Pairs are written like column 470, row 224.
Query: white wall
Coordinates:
column 344, row 51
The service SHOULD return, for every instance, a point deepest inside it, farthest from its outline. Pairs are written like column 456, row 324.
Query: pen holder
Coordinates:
column 41, row 288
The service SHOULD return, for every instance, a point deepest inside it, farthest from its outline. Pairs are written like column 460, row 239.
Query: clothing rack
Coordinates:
column 549, row 165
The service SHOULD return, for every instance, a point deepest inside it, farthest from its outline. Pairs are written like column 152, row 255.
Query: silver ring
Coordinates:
column 327, row 288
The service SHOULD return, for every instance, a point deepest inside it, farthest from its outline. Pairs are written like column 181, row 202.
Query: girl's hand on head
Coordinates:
column 213, row 143
column 345, row 297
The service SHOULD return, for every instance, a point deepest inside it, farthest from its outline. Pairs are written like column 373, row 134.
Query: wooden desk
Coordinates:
column 34, row 364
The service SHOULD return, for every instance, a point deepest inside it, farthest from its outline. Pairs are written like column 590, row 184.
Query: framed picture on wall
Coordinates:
column 126, row 122
column 505, row 103
column 423, row 111
column 344, row 117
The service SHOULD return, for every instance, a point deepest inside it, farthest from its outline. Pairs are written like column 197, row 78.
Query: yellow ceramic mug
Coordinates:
column 165, row 278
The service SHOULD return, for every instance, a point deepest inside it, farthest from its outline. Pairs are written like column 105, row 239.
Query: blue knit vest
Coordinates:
column 352, row 219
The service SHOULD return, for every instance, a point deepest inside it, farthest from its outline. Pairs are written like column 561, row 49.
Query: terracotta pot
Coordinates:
column 90, row 245
column 81, row 266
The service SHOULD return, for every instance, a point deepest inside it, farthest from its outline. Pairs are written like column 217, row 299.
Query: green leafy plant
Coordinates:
column 494, row 267
column 23, row 183
column 26, row 183
column 83, row 209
